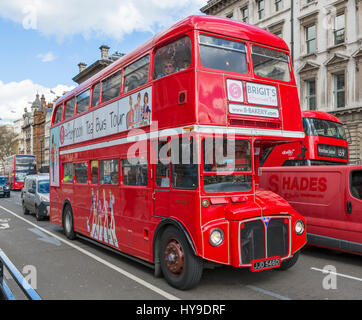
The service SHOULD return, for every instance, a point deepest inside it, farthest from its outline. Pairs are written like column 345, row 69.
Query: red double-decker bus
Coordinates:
column 17, row 167
column 325, row 143
column 157, row 155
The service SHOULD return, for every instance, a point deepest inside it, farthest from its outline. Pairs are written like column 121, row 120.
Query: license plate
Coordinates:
column 264, row 264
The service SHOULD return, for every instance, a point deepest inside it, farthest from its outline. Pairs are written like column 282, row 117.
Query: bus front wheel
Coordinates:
column 180, row 267
column 68, row 225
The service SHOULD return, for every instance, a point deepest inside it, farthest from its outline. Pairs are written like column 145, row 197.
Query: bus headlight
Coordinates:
column 205, row 203
column 299, row 227
column 216, row 237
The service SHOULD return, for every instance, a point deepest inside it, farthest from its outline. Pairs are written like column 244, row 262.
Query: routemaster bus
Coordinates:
column 157, row 155
column 17, row 167
column 325, row 143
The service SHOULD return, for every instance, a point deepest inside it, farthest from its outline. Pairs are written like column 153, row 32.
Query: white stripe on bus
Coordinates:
column 180, row 130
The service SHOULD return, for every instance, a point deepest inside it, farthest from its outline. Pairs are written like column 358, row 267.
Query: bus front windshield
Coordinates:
column 323, row 128
column 226, row 165
column 223, row 54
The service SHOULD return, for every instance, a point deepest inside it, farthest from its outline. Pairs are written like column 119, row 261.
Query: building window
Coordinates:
column 261, row 9
column 311, row 94
column 310, row 33
column 278, row 5
column 339, row 90
column 245, row 14
column 339, row 29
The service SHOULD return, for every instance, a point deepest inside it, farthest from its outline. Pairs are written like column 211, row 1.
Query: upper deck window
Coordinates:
column 58, row 114
column 69, row 108
column 270, row 63
column 222, row 54
column 136, row 74
column 111, row 87
column 95, row 97
column 83, row 101
column 171, row 58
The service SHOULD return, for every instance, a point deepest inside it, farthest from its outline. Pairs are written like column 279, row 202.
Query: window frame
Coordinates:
column 89, row 100
column 75, row 181
column 109, row 77
column 309, row 40
column 336, row 90
column 124, row 75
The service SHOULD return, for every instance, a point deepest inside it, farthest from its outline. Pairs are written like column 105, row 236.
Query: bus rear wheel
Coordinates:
column 68, row 225
column 180, row 267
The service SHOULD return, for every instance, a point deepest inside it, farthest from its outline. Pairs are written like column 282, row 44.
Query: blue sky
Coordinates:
column 42, row 41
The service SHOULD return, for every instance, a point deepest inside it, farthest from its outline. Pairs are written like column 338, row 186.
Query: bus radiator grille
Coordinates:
column 253, row 240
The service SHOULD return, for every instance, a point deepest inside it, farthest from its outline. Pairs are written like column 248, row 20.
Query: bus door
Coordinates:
column 161, row 178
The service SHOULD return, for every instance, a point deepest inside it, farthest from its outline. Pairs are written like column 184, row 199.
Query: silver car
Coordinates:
column 35, row 195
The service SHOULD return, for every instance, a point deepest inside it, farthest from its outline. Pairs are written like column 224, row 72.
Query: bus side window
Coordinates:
column 94, row 172
column 136, row 74
column 108, row 172
column 173, row 57
column 111, row 87
column 95, row 95
column 134, row 172
column 58, row 114
column 69, row 109
column 68, row 172
column 184, row 172
column 81, row 172
column 83, row 101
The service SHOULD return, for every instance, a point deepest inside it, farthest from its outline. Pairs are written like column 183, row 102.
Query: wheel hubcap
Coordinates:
column 174, row 257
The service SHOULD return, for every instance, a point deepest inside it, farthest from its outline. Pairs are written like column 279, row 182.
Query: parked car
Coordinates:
column 35, row 195
column 329, row 197
column 4, row 187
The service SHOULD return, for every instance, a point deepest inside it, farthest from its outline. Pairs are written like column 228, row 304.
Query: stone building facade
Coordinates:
column 325, row 39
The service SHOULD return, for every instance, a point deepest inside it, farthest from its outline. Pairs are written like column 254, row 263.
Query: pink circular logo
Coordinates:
column 62, row 135
column 235, row 90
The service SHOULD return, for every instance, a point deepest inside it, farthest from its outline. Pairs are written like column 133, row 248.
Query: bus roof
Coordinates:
column 217, row 25
column 320, row 115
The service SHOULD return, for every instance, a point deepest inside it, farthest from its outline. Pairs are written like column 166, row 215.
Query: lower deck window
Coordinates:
column 134, row 172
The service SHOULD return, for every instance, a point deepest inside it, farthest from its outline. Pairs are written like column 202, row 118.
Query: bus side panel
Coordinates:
column 211, row 99
column 55, row 206
column 170, row 109
column 292, row 117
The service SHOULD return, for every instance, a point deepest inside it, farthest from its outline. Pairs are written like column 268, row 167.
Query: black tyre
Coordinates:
column 286, row 264
column 37, row 214
column 180, row 267
column 25, row 210
column 68, row 225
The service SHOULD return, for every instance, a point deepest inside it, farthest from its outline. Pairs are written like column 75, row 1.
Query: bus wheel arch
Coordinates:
column 68, row 221
column 173, row 238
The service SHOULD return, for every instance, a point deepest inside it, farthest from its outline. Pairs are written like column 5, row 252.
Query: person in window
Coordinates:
column 185, row 65
column 114, row 178
column 168, row 68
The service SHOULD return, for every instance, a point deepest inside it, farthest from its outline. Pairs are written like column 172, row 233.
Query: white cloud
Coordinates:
column 111, row 18
column 46, row 57
column 15, row 96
